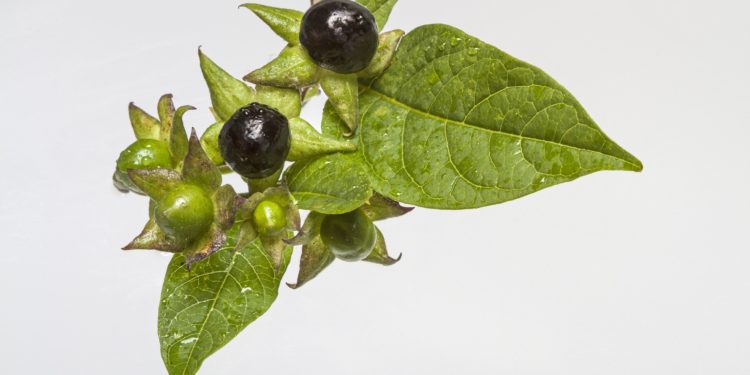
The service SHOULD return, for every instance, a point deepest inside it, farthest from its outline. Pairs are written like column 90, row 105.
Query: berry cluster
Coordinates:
column 257, row 131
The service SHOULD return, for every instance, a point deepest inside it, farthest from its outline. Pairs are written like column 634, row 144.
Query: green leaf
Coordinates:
column 284, row 22
column 198, row 169
column 379, row 208
column 178, row 141
column 379, row 254
column 332, row 184
column 308, row 142
column 383, row 57
column 315, row 258
column 455, row 123
column 228, row 94
column 144, row 125
column 381, row 9
column 342, row 92
column 203, row 309
column 292, row 68
column 286, row 101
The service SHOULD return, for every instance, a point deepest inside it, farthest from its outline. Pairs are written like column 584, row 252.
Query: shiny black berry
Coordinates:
column 255, row 141
column 339, row 35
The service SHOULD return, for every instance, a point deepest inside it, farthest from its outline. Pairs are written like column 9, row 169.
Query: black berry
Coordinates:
column 339, row 35
column 255, row 141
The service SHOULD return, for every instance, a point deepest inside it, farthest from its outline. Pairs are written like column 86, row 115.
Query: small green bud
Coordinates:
column 350, row 236
column 269, row 218
column 145, row 154
column 185, row 213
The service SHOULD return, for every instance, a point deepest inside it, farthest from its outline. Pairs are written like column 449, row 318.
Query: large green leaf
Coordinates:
column 202, row 309
column 455, row 123
column 381, row 9
column 332, row 184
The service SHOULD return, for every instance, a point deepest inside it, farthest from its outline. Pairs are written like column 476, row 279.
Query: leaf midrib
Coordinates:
column 210, row 311
column 399, row 103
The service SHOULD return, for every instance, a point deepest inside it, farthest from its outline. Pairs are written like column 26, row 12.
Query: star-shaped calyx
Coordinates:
column 294, row 68
column 316, row 256
column 271, row 215
column 229, row 94
column 160, row 143
column 190, row 210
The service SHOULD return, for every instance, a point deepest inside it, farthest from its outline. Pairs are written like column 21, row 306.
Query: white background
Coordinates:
column 615, row 273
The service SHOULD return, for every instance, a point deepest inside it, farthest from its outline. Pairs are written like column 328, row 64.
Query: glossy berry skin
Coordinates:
column 255, row 141
column 339, row 35
column 144, row 154
column 269, row 218
column 350, row 236
column 185, row 212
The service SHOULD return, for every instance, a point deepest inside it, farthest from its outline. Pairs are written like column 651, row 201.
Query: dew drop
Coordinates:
column 473, row 51
column 455, row 41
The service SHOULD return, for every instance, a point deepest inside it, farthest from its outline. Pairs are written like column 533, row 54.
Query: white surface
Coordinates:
column 616, row 273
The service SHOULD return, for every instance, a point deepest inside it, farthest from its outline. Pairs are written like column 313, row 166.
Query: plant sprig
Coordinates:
column 434, row 118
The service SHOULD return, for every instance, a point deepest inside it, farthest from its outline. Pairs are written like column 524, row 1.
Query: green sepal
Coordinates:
column 259, row 185
column 280, row 196
column 198, row 169
column 287, row 101
column 381, row 10
column 307, row 142
column 225, row 206
column 310, row 229
column 309, row 92
column 210, row 143
column 215, row 115
column 314, row 259
column 247, row 234
column 153, row 238
column 284, row 22
column 123, row 183
column 228, row 94
column 154, row 182
column 178, row 141
column 144, row 125
column 342, row 92
column 292, row 68
column 274, row 247
column 379, row 254
column 165, row 109
column 384, row 55
column 379, row 207
column 204, row 246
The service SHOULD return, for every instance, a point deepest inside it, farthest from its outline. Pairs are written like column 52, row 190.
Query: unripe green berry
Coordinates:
column 350, row 236
column 269, row 218
column 144, row 154
column 185, row 212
